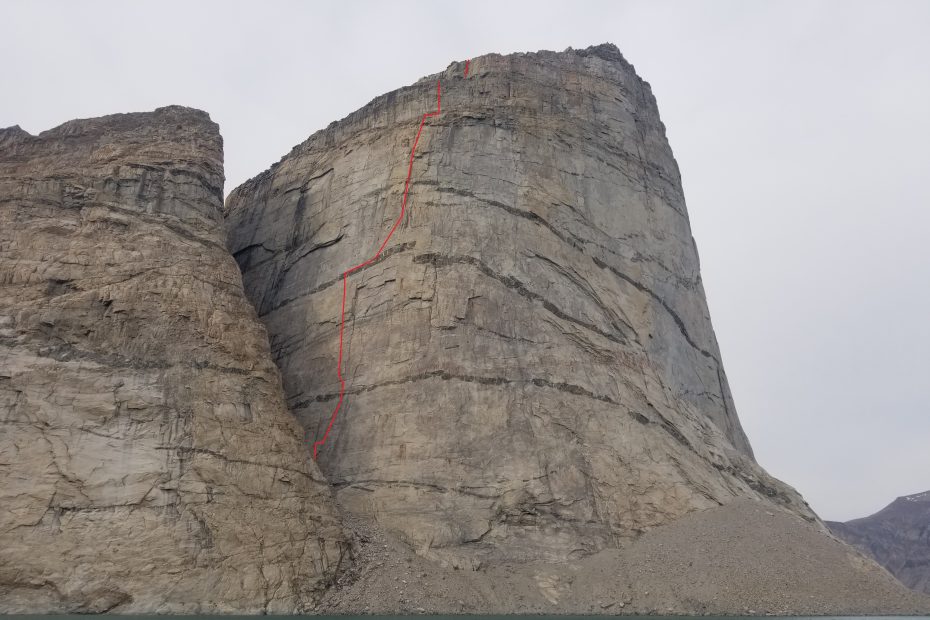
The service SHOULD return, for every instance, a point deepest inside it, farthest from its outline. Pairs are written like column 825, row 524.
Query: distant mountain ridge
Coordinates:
column 897, row 537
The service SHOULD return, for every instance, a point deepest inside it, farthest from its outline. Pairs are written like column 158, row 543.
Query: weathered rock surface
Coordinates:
column 897, row 537
column 747, row 557
column 147, row 458
column 531, row 368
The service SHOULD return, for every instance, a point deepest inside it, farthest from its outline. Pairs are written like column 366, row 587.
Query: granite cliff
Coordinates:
column 897, row 537
column 147, row 459
column 533, row 389
column 530, row 364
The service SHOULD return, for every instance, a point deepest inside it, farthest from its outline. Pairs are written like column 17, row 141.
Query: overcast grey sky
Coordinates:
column 801, row 130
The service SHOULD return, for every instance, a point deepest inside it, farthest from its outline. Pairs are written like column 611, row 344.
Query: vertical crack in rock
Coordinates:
column 552, row 306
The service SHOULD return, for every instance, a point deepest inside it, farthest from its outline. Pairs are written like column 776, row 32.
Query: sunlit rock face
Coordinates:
column 530, row 366
column 148, row 462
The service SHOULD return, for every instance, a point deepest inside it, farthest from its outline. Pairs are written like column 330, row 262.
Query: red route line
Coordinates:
column 345, row 276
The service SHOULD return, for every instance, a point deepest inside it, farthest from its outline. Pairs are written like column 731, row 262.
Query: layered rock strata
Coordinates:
column 530, row 364
column 147, row 458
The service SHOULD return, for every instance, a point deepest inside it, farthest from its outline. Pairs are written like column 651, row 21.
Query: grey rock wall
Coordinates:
column 531, row 368
column 147, row 458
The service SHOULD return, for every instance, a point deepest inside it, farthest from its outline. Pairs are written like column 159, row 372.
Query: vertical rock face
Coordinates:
column 147, row 458
column 530, row 366
column 898, row 537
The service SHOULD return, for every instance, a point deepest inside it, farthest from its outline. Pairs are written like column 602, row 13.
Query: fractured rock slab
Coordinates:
column 148, row 462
